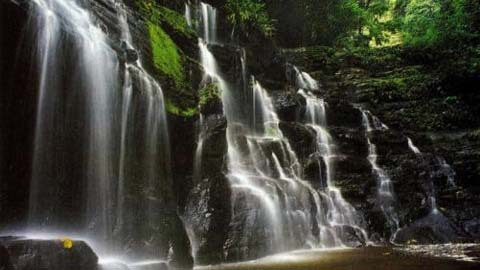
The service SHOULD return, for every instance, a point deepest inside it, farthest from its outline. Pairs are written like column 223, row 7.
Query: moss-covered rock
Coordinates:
column 173, row 48
column 166, row 57
column 173, row 108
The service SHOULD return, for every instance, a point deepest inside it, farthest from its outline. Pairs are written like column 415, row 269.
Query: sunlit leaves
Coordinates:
column 250, row 13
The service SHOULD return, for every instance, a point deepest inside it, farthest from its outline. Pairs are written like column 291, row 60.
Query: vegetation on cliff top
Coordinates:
column 249, row 15
column 419, row 23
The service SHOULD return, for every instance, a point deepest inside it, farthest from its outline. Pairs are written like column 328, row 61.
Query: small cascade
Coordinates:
column 412, row 147
column 438, row 167
column 197, row 166
column 386, row 195
column 188, row 13
column 339, row 212
column 430, row 188
column 446, row 170
column 305, row 81
column 438, row 223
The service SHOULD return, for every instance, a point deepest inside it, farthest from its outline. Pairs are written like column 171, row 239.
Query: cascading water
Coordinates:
column 147, row 118
column 339, row 212
column 430, row 189
column 188, row 13
column 93, row 82
column 447, row 170
column 269, row 195
column 386, row 195
column 108, row 206
column 435, row 220
column 305, row 81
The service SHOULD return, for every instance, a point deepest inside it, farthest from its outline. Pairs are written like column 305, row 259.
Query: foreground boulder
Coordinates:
column 28, row 254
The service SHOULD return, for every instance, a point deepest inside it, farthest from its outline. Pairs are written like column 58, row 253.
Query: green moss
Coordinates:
column 176, row 20
column 403, row 84
column 474, row 135
column 161, row 14
column 208, row 93
column 174, row 109
column 166, row 57
column 165, row 28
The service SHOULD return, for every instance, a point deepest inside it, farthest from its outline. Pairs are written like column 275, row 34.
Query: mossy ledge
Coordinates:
column 167, row 57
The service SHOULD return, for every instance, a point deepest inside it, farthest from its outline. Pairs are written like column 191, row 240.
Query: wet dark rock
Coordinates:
column 301, row 138
column 131, row 55
column 181, row 247
column 208, row 210
column 287, row 105
column 30, row 254
column 5, row 261
column 208, row 215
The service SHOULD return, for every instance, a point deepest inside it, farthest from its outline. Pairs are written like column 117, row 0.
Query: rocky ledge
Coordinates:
column 18, row 253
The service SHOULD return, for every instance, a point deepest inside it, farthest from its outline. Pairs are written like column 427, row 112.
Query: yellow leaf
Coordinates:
column 67, row 243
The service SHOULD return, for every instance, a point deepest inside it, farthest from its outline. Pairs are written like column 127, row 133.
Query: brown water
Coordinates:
column 371, row 258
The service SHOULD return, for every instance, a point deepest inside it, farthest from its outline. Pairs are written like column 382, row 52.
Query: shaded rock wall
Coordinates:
column 416, row 97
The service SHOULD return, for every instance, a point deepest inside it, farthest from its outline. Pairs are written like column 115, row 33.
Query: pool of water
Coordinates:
column 370, row 258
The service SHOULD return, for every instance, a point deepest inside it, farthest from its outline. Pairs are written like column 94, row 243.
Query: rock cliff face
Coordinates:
column 420, row 104
column 416, row 98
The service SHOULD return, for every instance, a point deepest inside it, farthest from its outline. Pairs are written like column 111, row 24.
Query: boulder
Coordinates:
column 18, row 253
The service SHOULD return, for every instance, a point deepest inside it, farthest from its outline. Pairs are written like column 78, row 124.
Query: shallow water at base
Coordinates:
column 370, row 258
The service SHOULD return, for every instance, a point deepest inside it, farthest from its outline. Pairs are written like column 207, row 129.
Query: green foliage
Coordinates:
column 421, row 22
column 208, row 93
column 429, row 23
column 160, row 14
column 403, row 84
column 166, row 57
column 172, row 108
column 250, row 14
column 362, row 23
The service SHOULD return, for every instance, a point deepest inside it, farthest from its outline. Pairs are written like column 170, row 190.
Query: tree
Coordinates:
column 249, row 14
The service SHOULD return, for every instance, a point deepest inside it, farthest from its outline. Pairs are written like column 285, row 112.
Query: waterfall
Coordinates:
column 339, row 212
column 446, row 170
column 305, row 80
column 92, row 81
column 197, row 166
column 430, row 190
column 386, row 195
column 412, row 147
column 188, row 14
column 268, row 194
column 90, row 101
column 209, row 22
column 155, row 153
column 439, row 167
column 435, row 220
